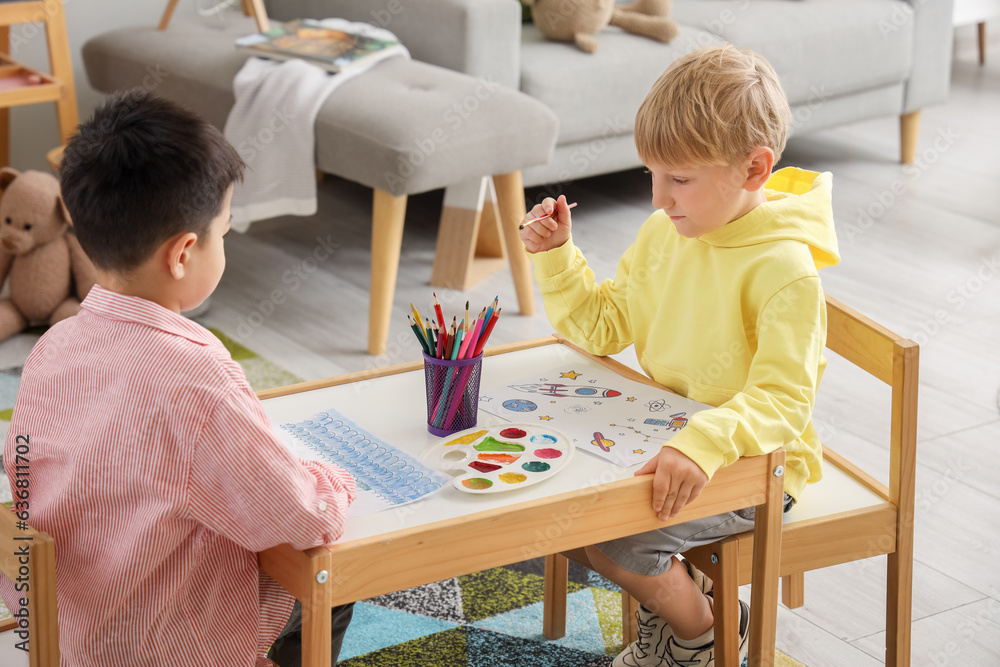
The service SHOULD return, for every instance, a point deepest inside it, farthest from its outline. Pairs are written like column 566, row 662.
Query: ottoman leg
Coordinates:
column 469, row 246
column 388, row 212
column 510, row 198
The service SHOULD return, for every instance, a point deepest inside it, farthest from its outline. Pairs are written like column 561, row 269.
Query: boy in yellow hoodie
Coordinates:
column 720, row 295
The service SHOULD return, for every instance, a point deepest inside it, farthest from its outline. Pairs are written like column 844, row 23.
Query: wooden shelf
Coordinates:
column 20, row 85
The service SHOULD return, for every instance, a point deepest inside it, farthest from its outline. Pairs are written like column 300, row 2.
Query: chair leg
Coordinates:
column 61, row 63
column 388, row 213
column 510, row 198
column 898, row 610
column 793, row 590
column 554, row 601
column 726, row 593
column 167, row 13
column 630, row 629
column 909, row 129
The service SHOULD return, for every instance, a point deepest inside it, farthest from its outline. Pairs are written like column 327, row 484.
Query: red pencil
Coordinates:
column 481, row 343
column 437, row 309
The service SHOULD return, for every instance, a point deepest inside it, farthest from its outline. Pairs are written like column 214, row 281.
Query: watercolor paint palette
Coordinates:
column 504, row 457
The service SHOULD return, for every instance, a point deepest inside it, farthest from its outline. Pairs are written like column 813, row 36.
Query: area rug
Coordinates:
column 491, row 618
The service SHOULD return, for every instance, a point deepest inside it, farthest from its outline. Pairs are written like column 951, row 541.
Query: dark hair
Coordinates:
column 142, row 170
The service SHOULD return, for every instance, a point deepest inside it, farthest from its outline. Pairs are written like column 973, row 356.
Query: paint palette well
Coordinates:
column 505, row 457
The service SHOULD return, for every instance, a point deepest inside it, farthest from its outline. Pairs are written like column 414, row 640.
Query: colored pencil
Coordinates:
column 486, row 334
column 437, row 309
column 416, row 330
column 541, row 217
column 465, row 342
column 466, row 374
column 456, row 346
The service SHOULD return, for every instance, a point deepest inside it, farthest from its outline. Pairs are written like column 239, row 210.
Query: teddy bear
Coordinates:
column 580, row 20
column 48, row 270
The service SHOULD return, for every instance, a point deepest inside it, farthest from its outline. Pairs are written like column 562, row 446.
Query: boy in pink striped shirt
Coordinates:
column 152, row 464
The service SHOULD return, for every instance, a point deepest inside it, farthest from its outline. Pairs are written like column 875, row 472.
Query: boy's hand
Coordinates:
column 548, row 233
column 677, row 481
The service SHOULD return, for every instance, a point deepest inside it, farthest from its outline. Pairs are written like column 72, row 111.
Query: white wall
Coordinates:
column 33, row 128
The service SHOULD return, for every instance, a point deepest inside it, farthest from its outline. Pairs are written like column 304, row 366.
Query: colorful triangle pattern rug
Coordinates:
column 491, row 618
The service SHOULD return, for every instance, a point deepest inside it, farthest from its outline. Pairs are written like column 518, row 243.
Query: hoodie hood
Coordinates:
column 798, row 208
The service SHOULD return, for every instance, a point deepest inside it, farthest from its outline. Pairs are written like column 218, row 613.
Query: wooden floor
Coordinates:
column 921, row 254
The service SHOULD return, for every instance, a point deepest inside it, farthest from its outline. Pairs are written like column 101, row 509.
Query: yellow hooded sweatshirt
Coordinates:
column 735, row 318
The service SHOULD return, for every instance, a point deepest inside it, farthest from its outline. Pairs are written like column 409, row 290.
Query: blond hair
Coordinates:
column 712, row 106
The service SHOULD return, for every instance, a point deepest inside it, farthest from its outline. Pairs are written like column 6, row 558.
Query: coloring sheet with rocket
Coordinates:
column 606, row 414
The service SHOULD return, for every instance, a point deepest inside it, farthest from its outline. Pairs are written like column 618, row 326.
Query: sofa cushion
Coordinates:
column 598, row 94
column 819, row 48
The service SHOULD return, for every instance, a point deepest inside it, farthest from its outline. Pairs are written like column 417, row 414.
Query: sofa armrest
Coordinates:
column 478, row 37
column 932, row 44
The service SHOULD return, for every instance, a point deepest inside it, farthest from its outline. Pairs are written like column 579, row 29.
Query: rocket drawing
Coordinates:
column 566, row 390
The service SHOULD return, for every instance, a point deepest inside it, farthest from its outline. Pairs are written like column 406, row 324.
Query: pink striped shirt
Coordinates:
column 155, row 469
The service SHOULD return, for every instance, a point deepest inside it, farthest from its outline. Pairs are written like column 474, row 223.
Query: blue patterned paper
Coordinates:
column 391, row 473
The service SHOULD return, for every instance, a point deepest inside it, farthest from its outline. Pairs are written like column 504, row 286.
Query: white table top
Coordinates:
column 393, row 408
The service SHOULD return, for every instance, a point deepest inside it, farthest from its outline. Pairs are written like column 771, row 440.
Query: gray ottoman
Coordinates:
column 402, row 128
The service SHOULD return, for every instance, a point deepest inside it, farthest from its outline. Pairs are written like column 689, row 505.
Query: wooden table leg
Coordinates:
column 554, row 598
column 766, row 563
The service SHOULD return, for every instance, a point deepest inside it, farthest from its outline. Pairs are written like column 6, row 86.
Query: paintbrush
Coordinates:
column 541, row 217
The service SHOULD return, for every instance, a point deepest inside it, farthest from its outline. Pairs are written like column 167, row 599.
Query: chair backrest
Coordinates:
column 28, row 558
column 893, row 360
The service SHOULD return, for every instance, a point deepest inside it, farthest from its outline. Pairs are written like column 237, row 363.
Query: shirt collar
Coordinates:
column 115, row 306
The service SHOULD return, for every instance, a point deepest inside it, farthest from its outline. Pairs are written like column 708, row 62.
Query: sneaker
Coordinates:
column 704, row 655
column 647, row 651
column 701, row 579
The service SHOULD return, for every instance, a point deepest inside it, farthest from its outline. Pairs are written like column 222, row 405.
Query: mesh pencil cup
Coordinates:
column 452, row 393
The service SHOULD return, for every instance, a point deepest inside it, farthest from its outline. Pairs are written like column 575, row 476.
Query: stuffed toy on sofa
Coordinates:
column 48, row 270
column 579, row 20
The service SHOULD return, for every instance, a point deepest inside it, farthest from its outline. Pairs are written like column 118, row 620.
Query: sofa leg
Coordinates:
column 510, row 198
column 388, row 212
column 909, row 129
column 982, row 42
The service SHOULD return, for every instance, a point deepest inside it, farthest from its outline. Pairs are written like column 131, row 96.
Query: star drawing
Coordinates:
column 572, row 375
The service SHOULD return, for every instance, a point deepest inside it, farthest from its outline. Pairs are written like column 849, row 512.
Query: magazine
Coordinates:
column 333, row 48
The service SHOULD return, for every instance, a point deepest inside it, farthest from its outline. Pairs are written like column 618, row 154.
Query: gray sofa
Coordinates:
column 840, row 61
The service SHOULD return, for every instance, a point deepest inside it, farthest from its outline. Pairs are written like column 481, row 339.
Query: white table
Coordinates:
column 452, row 533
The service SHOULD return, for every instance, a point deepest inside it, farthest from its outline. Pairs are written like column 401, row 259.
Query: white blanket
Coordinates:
column 272, row 127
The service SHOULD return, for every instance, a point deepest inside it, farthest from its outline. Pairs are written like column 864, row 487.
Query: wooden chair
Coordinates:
column 43, row 629
column 848, row 516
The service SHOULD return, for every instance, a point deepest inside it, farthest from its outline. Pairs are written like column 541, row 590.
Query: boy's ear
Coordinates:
column 759, row 164
column 178, row 253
